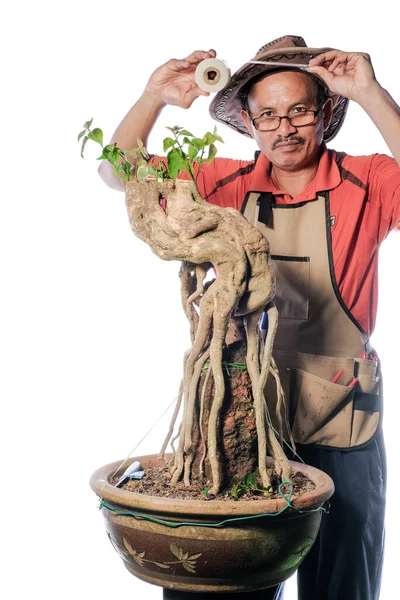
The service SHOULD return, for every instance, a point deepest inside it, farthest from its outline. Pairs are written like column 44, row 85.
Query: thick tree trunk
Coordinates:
column 237, row 431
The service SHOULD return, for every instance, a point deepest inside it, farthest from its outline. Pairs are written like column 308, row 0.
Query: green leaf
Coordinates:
column 186, row 132
column 88, row 124
column 208, row 138
column 85, row 139
column 97, row 136
column 134, row 153
column 104, row 155
column 167, row 143
column 217, row 137
column 115, row 155
column 234, row 490
column 142, row 149
column 192, row 152
column 211, row 153
column 110, row 147
column 82, row 133
column 252, row 479
column 175, row 130
column 198, row 143
column 145, row 171
column 175, row 163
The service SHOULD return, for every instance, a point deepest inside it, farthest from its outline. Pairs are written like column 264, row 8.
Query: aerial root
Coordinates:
column 282, row 465
column 178, row 433
column 281, row 406
column 251, row 324
column 173, row 420
column 191, row 399
column 207, row 378
column 188, row 466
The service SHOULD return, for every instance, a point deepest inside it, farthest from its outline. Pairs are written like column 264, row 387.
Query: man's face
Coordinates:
column 287, row 93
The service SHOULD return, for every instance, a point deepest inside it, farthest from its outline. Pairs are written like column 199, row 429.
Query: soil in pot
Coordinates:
column 157, row 482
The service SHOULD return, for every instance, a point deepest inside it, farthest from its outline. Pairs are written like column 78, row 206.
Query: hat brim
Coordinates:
column 227, row 103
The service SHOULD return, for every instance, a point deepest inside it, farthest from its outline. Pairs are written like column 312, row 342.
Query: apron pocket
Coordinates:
column 292, row 286
column 322, row 411
column 367, row 402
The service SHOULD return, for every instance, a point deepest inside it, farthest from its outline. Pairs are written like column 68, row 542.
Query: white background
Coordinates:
column 92, row 333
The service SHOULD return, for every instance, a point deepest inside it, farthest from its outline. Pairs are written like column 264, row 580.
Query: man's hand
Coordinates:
column 174, row 82
column 349, row 74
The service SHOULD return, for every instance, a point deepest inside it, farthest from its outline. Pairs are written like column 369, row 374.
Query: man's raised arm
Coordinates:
column 351, row 75
column 172, row 83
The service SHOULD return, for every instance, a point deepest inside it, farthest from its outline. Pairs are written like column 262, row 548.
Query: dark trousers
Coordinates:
column 346, row 559
column 345, row 562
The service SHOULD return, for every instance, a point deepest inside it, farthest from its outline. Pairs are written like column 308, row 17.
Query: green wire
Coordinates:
column 172, row 524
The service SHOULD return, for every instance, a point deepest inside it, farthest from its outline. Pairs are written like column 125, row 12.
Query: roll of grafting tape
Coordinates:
column 212, row 75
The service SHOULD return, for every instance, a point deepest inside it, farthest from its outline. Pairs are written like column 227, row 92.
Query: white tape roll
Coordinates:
column 212, row 75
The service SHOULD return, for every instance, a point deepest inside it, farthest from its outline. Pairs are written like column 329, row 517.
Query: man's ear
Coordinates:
column 328, row 112
column 247, row 122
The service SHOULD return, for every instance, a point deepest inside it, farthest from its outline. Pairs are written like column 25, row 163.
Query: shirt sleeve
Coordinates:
column 384, row 191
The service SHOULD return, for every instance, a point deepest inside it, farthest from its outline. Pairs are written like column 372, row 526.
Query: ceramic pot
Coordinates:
column 246, row 555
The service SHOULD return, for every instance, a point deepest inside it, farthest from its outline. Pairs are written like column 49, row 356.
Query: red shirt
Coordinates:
column 364, row 199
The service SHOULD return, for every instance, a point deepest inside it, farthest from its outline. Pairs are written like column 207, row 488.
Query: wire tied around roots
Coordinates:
column 229, row 366
column 324, row 507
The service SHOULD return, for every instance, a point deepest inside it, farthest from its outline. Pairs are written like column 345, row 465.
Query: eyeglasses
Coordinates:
column 301, row 119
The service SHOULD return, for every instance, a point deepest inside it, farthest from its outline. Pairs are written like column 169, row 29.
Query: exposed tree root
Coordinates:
column 202, row 235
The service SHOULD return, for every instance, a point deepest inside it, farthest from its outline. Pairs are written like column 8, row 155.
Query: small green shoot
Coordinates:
column 184, row 150
column 247, row 486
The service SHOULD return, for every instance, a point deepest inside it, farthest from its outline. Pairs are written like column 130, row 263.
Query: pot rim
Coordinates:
column 148, row 504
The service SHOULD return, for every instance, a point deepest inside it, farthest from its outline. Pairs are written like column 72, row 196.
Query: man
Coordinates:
column 325, row 215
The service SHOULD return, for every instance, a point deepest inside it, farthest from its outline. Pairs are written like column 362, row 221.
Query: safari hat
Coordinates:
column 284, row 51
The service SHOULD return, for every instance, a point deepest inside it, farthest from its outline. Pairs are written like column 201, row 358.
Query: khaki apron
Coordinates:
column 317, row 335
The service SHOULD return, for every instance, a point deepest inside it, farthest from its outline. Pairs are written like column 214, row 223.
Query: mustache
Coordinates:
column 292, row 138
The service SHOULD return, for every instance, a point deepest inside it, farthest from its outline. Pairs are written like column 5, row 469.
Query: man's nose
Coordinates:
column 285, row 128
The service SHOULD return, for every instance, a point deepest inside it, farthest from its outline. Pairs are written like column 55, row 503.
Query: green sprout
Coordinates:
column 248, row 485
column 184, row 151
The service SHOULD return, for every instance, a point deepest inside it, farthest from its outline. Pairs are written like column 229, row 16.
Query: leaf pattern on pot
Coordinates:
column 304, row 549
column 121, row 551
column 189, row 565
column 187, row 560
column 161, row 565
column 177, row 551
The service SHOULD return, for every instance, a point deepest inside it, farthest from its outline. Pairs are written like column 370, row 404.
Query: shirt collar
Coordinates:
column 326, row 178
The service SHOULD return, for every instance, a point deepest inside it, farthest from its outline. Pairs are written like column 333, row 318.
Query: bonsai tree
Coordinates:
column 226, row 431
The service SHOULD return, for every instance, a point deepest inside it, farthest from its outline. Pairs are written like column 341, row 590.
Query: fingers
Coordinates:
column 323, row 73
column 199, row 55
column 325, row 57
column 192, row 60
column 332, row 59
column 192, row 94
column 178, row 64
